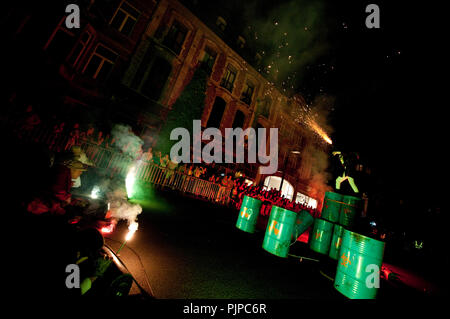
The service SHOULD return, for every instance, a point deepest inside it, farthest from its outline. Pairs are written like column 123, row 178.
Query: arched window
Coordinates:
column 275, row 182
column 215, row 118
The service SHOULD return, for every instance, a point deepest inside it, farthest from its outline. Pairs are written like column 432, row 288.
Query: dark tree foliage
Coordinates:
column 188, row 107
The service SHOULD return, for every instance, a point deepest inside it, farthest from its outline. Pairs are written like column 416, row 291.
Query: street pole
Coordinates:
column 284, row 171
column 284, row 167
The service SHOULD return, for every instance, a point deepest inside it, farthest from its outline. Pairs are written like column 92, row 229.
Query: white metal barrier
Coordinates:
column 119, row 163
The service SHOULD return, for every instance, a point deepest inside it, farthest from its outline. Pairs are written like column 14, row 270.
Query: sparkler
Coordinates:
column 129, row 181
column 131, row 230
column 319, row 131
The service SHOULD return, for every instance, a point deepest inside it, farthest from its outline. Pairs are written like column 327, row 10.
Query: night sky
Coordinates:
column 382, row 81
column 386, row 100
column 386, row 105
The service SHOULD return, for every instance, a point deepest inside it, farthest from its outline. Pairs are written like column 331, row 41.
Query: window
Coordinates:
column 228, row 78
column 247, row 93
column 80, row 48
column 275, row 182
column 265, row 108
column 157, row 78
column 240, row 42
column 125, row 18
column 101, row 63
column 209, row 59
column 221, row 23
column 305, row 200
column 216, row 113
column 175, row 37
column 60, row 42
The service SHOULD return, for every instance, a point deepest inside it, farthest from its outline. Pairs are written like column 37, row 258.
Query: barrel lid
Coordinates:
column 333, row 195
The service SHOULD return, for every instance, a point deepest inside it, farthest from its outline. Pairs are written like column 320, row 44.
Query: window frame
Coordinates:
column 127, row 16
column 170, row 41
column 207, row 51
column 245, row 97
column 225, row 82
column 94, row 52
column 85, row 45
column 59, row 27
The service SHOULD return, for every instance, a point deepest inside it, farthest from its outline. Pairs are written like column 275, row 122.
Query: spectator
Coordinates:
column 172, row 166
column 157, row 158
column 197, row 171
column 74, row 137
column 56, row 199
column 89, row 134
column 148, row 156
column 29, row 122
column 109, row 141
column 56, row 134
column 164, row 161
column 100, row 138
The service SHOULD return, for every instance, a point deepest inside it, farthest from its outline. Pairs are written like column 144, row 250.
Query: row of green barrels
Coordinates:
column 283, row 225
column 341, row 209
column 353, row 252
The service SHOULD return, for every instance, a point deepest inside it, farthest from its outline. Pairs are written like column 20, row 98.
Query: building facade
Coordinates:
column 130, row 60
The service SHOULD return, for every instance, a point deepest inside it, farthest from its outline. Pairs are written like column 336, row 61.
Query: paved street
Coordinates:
column 192, row 249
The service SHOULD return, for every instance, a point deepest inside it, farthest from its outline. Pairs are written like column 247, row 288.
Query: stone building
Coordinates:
column 130, row 60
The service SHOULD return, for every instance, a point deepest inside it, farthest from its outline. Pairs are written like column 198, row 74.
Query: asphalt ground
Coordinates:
column 192, row 249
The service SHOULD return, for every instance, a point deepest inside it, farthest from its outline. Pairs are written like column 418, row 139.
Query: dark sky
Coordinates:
column 386, row 99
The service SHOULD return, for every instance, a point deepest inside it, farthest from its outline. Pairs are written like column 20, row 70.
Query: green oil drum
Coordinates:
column 359, row 263
column 336, row 241
column 280, row 228
column 302, row 223
column 248, row 215
column 331, row 207
column 321, row 236
column 349, row 209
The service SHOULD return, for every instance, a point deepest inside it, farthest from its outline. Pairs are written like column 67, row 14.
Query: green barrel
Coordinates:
column 357, row 270
column 321, row 236
column 280, row 228
column 302, row 223
column 331, row 207
column 336, row 241
column 248, row 215
column 349, row 208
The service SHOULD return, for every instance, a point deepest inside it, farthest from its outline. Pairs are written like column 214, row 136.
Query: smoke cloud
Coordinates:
column 126, row 141
column 121, row 209
column 319, row 174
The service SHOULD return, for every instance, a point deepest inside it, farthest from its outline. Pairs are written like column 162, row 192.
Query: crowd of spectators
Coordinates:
column 269, row 197
column 64, row 136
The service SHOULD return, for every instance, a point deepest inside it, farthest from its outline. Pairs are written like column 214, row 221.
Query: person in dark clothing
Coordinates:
column 56, row 197
column 86, row 250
